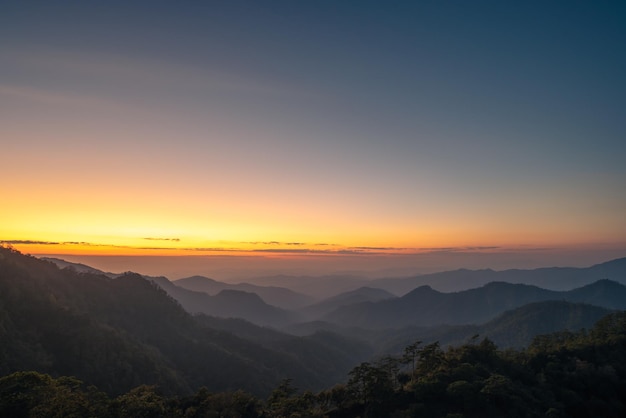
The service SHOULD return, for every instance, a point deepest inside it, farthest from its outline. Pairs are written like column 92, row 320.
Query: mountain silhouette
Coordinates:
column 553, row 278
column 272, row 295
column 118, row 333
column 319, row 287
column 362, row 294
column 515, row 328
column 425, row 306
column 234, row 304
column 227, row 304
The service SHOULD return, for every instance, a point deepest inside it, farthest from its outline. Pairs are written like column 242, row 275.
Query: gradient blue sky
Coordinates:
column 396, row 125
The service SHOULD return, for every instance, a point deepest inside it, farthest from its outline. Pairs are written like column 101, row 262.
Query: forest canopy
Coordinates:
column 561, row 374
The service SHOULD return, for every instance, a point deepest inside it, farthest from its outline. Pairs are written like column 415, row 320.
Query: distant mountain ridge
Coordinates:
column 421, row 306
column 323, row 287
column 277, row 296
column 426, row 306
column 227, row 303
column 319, row 287
column 553, row 278
column 362, row 294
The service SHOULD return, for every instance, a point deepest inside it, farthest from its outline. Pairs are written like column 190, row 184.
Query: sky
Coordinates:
column 320, row 135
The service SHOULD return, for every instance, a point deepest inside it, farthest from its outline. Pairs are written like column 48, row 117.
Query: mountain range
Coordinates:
column 426, row 306
column 376, row 308
column 118, row 331
column 227, row 303
column 277, row 296
column 362, row 294
column 222, row 299
column 553, row 278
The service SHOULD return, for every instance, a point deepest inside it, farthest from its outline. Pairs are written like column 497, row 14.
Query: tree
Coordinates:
column 141, row 402
column 284, row 402
column 410, row 355
column 28, row 394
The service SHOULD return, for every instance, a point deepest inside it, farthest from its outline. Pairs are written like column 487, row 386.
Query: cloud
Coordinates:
column 458, row 249
column 39, row 242
column 29, row 242
column 161, row 239
column 284, row 250
column 338, row 251
column 277, row 248
column 380, row 248
column 272, row 243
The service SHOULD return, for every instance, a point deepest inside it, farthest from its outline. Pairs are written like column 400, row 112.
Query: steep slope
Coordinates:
column 119, row 333
column 272, row 295
column 515, row 328
column 604, row 293
column 426, row 307
column 81, row 268
column 331, row 354
column 518, row 327
column 228, row 305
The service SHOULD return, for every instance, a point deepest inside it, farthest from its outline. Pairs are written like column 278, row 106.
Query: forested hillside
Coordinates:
column 562, row 374
column 120, row 333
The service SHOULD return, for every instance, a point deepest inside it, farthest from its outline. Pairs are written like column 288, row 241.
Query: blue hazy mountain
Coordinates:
column 228, row 303
column 362, row 294
column 554, row 278
column 273, row 295
column 425, row 306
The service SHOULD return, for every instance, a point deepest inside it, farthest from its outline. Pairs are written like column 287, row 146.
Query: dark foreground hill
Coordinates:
column 218, row 299
column 563, row 374
column 120, row 333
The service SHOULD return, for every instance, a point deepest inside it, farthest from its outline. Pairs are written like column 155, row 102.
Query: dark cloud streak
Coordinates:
column 286, row 249
column 161, row 239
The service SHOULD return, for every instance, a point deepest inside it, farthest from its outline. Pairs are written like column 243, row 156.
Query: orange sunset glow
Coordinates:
column 287, row 146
